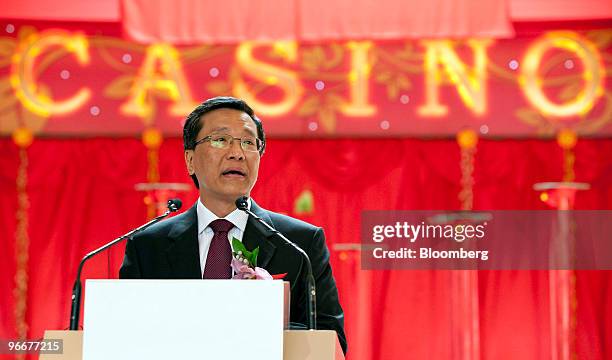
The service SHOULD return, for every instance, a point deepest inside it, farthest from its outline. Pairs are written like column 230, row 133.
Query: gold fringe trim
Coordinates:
column 573, row 316
column 20, row 292
column 152, row 177
column 569, row 159
column 466, row 195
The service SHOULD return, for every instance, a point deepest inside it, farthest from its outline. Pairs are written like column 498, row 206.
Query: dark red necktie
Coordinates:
column 219, row 259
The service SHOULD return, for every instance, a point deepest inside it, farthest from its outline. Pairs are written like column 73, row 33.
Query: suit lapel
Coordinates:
column 183, row 252
column 256, row 235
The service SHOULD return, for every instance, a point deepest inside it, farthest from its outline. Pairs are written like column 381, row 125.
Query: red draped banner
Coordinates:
column 81, row 195
column 195, row 21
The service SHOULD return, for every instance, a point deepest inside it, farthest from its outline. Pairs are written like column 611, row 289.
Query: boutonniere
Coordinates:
column 244, row 263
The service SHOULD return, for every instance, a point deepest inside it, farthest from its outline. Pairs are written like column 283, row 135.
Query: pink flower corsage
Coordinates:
column 244, row 263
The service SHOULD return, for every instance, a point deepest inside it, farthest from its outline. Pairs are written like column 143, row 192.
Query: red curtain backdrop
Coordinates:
column 559, row 10
column 61, row 10
column 81, row 195
column 195, row 21
column 109, row 11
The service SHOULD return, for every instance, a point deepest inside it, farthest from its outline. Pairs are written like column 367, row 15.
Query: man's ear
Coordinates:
column 189, row 161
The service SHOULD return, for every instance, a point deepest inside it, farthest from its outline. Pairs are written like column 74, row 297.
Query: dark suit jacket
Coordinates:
column 169, row 250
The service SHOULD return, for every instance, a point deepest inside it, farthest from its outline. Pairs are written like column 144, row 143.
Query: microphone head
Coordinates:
column 174, row 204
column 242, row 203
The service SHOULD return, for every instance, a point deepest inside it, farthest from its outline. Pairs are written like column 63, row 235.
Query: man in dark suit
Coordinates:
column 224, row 141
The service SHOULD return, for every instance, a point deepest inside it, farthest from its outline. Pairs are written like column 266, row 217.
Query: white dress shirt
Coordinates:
column 205, row 232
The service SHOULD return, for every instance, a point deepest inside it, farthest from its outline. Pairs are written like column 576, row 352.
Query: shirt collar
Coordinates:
column 237, row 217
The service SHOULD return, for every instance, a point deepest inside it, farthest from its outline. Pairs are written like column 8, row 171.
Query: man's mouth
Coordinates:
column 234, row 173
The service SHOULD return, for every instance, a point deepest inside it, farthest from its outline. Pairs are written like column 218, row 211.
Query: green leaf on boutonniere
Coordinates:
column 253, row 259
column 237, row 245
column 251, row 256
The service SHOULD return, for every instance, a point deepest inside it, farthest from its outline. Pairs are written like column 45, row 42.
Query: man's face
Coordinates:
column 224, row 174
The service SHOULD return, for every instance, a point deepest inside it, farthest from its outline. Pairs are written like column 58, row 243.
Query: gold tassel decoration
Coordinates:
column 22, row 137
column 467, row 140
column 152, row 139
column 567, row 139
column 464, row 284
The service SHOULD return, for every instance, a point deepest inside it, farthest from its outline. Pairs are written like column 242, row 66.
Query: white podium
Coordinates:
column 186, row 319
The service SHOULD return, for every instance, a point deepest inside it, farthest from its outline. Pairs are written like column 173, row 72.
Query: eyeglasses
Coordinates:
column 224, row 141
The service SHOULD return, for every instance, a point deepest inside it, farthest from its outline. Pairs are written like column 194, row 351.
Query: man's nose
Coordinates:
column 235, row 151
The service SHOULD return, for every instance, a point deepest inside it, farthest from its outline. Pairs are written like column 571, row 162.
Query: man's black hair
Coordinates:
column 193, row 125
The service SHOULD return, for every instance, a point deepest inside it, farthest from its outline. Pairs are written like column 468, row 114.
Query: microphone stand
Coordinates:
column 311, row 293
column 75, row 308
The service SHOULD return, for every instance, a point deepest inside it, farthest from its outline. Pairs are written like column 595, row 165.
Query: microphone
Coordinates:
column 242, row 203
column 173, row 206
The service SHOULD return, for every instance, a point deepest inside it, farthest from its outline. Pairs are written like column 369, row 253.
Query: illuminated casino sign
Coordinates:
column 68, row 83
